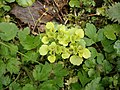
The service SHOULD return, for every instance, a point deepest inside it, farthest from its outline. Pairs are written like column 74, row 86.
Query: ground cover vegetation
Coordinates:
column 59, row 44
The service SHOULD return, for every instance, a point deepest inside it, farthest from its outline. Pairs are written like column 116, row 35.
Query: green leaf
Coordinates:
column 76, row 60
column 13, row 65
column 100, row 58
column 7, row 8
column 74, row 3
column 110, row 31
column 2, row 68
column 106, row 81
column 93, row 52
column 75, row 86
column 10, row 1
column 90, row 31
column 118, row 65
column 4, row 51
column 117, row 47
column 59, row 81
column 43, row 50
column 48, row 85
column 31, row 42
column 59, row 70
column 116, row 80
column 6, row 80
column 1, row 86
column 15, row 86
column 28, row 41
column 94, row 85
column 24, row 33
column 82, row 75
column 91, row 72
column 13, row 49
column 30, row 56
column 8, row 31
column 101, row 35
column 25, row 3
column 90, row 63
column 37, row 71
column 42, row 72
column 82, row 43
column 107, row 66
column 88, row 41
column 28, row 87
column 107, row 45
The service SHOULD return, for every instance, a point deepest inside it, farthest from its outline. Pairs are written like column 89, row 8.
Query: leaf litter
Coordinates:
column 39, row 13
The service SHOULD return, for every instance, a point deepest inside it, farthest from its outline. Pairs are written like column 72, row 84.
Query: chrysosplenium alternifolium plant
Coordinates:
column 67, row 43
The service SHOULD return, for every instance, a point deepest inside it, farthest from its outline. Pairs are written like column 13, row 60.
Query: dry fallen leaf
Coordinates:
column 31, row 14
column 38, row 13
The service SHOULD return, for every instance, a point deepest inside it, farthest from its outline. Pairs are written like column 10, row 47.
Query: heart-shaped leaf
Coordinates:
column 43, row 49
column 52, row 58
column 86, row 53
column 76, row 60
column 25, row 3
column 8, row 31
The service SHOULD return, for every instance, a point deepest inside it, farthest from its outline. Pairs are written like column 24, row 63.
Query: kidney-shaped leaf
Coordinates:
column 28, row 87
column 90, row 31
column 52, row 58
column 8, row 31
column 111, row 31
column 86, row 53
column 76, row 60
column 25, row 3
column 74, row 3
column 43, row 49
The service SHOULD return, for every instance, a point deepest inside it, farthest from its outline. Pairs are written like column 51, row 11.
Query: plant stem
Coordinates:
column 13, row 49
column 17, row 51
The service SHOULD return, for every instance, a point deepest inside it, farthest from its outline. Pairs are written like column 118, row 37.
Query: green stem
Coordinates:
column 17, row 51
column 13, row 49
column 39, row 19
column 98, row 48
column 13, row 81
column 29, row 74
column 31, row 15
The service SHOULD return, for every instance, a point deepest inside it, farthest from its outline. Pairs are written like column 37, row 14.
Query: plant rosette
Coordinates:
column 67, row 43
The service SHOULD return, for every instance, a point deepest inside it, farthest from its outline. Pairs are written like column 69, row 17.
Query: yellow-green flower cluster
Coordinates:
column 67, row 43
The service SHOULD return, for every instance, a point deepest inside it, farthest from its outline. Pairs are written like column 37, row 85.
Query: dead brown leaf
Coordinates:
column 31, row 14
column 38, row 13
